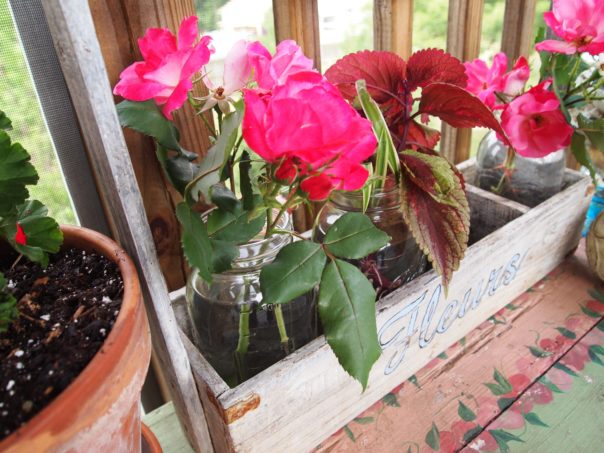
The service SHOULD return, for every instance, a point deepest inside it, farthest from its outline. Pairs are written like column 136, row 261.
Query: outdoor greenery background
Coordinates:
column 18, row 98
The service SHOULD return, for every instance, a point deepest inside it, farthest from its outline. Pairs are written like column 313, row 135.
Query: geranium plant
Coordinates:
column 286, row 136
column 24, row 223
column 565, row 107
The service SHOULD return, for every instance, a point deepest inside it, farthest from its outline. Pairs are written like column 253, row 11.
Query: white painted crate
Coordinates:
column 298, row 402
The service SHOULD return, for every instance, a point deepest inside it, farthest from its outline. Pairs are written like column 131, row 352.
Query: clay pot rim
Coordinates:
column 150, row 438
column 107, row 356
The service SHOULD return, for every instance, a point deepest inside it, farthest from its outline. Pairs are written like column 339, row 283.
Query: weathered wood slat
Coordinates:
column 517, row 37
column 463, row 41
column 393, row 26
column 299, row 20
column 299, row 400
column 72, row 29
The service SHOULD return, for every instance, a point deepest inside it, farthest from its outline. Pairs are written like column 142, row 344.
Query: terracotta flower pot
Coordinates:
column 100, row 409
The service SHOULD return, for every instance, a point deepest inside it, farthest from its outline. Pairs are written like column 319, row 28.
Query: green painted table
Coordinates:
column 530, row 379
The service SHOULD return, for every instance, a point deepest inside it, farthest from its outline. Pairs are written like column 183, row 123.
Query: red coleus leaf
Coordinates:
column 383, row 72
column 436, row 209
column 458, row 107
column 420, row 136
column 20, row 237
column 434, row 65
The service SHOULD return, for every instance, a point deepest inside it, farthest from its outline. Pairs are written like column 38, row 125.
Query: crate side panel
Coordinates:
column 307, row 396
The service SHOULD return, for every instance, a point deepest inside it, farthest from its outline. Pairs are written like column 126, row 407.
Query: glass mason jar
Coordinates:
column 533, row 180
column 238, row 335
column 401, row 260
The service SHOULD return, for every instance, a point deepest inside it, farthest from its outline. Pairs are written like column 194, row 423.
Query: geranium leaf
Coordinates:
column 296, row 270
column 42, row 233
column 434, row 65
column 16, row 172
column 146, row 118
column 8, row 306
column 435, row 208
column 195, row 242
column 353, row 236
column 347, row 310
column 5, row 122
column 234, row 226
column 385, row 155
column 383, row 72
column 458, row 107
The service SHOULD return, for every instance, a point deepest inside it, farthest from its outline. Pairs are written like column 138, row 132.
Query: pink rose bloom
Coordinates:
column 534, row 123
column 165, row 75
column 273, row 70
column 235, row 77
column 580, row 23
column 484, row 82
column 310, row 133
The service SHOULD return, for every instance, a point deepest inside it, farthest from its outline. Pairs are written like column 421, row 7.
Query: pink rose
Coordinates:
column 484, row 82
column 273, row 70
column 580, row 23
column 310, row 133
column 165, row 75
column 534, row 123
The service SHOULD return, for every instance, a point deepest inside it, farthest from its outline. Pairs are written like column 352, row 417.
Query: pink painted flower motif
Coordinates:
column 310, row 133
column 580, row 24
column 534, row 123
column 235, row 77
column 273, row 70
column 168, row 67
column 485, row 82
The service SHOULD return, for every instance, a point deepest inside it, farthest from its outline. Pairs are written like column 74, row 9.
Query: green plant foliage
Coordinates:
column 347, row 310
column 234, row 226
column 354, row 236
column 296, row 270
column 8, row 305
column 195, row 241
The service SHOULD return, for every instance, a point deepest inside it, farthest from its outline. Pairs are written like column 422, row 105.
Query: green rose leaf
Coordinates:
column 223, row 254
column 16, row 172
column 146, row 118
column 223, row 198
column 296, row 270
column 178, row 168
column 347, row 310
column 42, row 233
column 579, row 150
column 594, row 129
column 234, row 226
column 245, row 184
column 353, row 236
column 195, row 242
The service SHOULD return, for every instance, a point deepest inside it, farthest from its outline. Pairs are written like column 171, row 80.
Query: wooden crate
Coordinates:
column 298, row 402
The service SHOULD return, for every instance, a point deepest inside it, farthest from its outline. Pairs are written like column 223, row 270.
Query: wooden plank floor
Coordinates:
column 530, row 379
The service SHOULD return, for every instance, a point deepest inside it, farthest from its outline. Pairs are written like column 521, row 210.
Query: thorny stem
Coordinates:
column 281, row 326
column 508, row 168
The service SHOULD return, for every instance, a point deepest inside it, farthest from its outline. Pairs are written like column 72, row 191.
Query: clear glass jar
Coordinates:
column 533, row 180
column 401, row 260
column 238, row 335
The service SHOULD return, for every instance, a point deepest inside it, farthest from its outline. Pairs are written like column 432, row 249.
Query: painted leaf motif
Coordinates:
column 195, row 242
column 433, row 438
column 428, row 66
column 458, row 107
column 560, row 366
column 502, row 438
column 391, row 400
column 295, row 271
column 347, row 310
column 534, row 419
column 567, row 333
column 353, row 236
column 436, row 210
column 383, row 73
column 465, row 412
